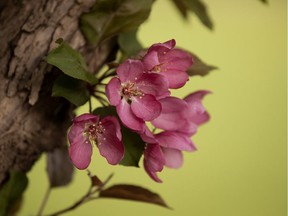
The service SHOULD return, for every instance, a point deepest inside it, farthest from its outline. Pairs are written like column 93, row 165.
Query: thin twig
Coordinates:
column 106, row 76
column 100, row 92
column 90, row 106
column 44, row 202
column 101, row 100
column 87, row 197
column 75, row 205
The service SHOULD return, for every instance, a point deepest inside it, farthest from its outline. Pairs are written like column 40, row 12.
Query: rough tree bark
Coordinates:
column 32, row 121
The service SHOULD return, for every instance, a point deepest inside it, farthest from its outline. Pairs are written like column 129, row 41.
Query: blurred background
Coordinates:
column 240, row 166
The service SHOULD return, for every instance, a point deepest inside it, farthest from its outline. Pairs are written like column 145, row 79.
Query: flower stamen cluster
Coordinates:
column 94, row 132
column 130, row 90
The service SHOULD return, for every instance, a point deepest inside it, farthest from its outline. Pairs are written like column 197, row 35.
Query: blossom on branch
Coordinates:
column 171, row 62
column 179, row 120
column 88, row 129
column 136, row 94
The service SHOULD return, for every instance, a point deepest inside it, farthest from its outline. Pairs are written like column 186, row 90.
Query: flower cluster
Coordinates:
column 140, row 93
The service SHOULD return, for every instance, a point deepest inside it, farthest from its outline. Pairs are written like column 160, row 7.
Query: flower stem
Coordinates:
column 101, row 100
column 44, row 202
column 75, row 205
column 87, row 197
column 107, row 74
column 90, row 106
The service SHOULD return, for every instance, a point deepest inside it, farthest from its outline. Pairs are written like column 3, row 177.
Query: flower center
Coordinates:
column 130, row 90
column 156, row 68
column 94, row 132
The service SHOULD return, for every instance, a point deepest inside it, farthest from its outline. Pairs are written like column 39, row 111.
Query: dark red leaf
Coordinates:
column 132, row 192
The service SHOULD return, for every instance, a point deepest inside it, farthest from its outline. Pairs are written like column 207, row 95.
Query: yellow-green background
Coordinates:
column 240, row 166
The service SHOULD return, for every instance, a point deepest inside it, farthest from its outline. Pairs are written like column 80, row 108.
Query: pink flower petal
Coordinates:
column 190, row 128
column 154, row 84
column 75, row 132
column 130, row 70
column 80, row 153
column 86, row 118
column 173, row 158
column 198, row 113
column 109, row 145
column 176, row 78
column 176, row 59
column 152, row 174
column 150, row 60
column 113, row 93
column 154, row 158
column 175, row 140
column 153, row 161
column 128, row 118
column 146, row 107
column 173, row 115
column 163, row 47
column 147, row 136
column 116, row 123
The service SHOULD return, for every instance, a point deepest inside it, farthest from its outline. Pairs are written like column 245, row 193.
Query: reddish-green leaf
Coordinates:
column 199, row 67
column 134, row 193
column 95, row 181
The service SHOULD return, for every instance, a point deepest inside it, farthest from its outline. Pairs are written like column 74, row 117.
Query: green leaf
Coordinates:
column 134, row 147
column 70, row 62
column 59, row 167
column 73, row 90
column 129, row 44
column 12, row 191
column 104, row 111
column 134, row 193
column 199, row 67
column 109, row 18
column 133, row 144
column 200, row 9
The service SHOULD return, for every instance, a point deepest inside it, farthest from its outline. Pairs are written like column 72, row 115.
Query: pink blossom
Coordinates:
column 174, row 116
column 198, row 114
column 164, row 149
column 88, row 129
column 169, row 61
column 136, row 93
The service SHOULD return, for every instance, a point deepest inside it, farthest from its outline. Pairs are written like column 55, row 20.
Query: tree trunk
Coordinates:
column 32, row 121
